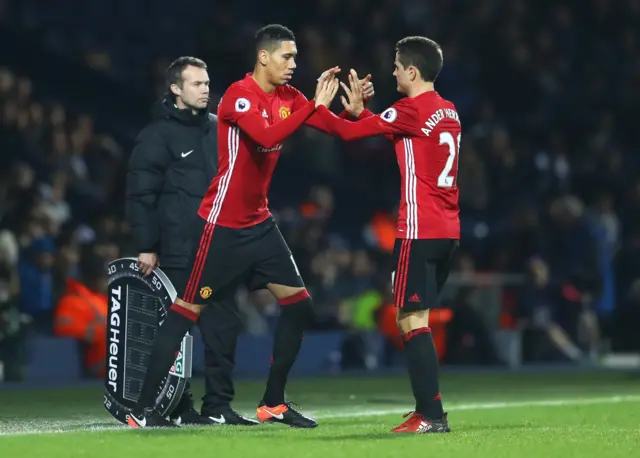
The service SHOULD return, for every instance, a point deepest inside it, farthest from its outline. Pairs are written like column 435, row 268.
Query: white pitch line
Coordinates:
column 492, row 406
column 94, row 424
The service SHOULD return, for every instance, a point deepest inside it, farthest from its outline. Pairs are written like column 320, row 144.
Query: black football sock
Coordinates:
column 167, row 342
column 295, row 318
column 422, row 361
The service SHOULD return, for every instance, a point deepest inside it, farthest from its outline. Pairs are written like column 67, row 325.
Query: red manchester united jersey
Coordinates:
column 426, row 134
column 252, row 124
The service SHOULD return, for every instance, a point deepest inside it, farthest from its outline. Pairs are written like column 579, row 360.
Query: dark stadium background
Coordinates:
column 550, row 184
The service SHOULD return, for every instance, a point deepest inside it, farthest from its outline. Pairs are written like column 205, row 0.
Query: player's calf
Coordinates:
column 422, row 362
column 179, row 320
column 295, row 317
column 296, row 314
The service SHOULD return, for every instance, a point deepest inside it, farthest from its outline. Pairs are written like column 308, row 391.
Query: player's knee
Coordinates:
column 195, row 308
column 288, row 294
column 299, row 306
column 411, row 321
column 295, row 296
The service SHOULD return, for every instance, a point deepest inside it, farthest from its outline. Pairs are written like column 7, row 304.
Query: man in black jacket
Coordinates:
column 172, row 164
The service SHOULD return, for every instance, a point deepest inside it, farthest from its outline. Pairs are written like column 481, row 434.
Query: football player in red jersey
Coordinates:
column 237, row 240
column 425, row 130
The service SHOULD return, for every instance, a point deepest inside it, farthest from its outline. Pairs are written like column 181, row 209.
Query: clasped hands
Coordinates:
column 357, row 93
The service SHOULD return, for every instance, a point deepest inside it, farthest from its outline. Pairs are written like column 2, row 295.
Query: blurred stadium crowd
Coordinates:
column 549, row 169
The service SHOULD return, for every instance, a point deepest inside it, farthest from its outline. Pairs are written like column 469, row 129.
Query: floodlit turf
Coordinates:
column 562, row 415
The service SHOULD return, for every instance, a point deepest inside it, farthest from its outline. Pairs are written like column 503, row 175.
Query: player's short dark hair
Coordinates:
column 173, row 73
column 423, row 53
column 270, row 36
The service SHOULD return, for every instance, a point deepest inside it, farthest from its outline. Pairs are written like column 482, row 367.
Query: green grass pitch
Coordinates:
column 512, row 415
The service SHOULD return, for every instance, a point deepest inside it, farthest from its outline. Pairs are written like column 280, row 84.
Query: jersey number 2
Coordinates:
column 445, row 180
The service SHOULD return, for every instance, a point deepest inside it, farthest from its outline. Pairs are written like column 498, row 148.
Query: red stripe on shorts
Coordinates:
column 198, row 265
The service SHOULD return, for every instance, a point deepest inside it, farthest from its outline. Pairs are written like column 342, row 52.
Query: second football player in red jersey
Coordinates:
column 425, row 130
column 236, row 238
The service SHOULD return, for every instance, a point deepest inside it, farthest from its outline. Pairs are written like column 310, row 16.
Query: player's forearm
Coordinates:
column 366, row 114
column 345, row 129
column 344, row 114
column 317, row 122
column 270, row 136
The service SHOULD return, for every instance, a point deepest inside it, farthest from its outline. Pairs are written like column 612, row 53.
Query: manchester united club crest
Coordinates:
column 205, row 292
column 284, row 112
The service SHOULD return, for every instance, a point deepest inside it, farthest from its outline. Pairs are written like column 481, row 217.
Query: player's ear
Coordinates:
column 413, row 73
column 263, row 57
column 175, row 89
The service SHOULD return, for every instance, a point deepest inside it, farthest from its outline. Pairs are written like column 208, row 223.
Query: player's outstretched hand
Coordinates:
column 367, row 88
column 326, row 75
column 355, row 93
column 328, row 90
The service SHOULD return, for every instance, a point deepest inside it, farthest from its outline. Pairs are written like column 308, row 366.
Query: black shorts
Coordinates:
column 223, row 258
column 421, row 268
